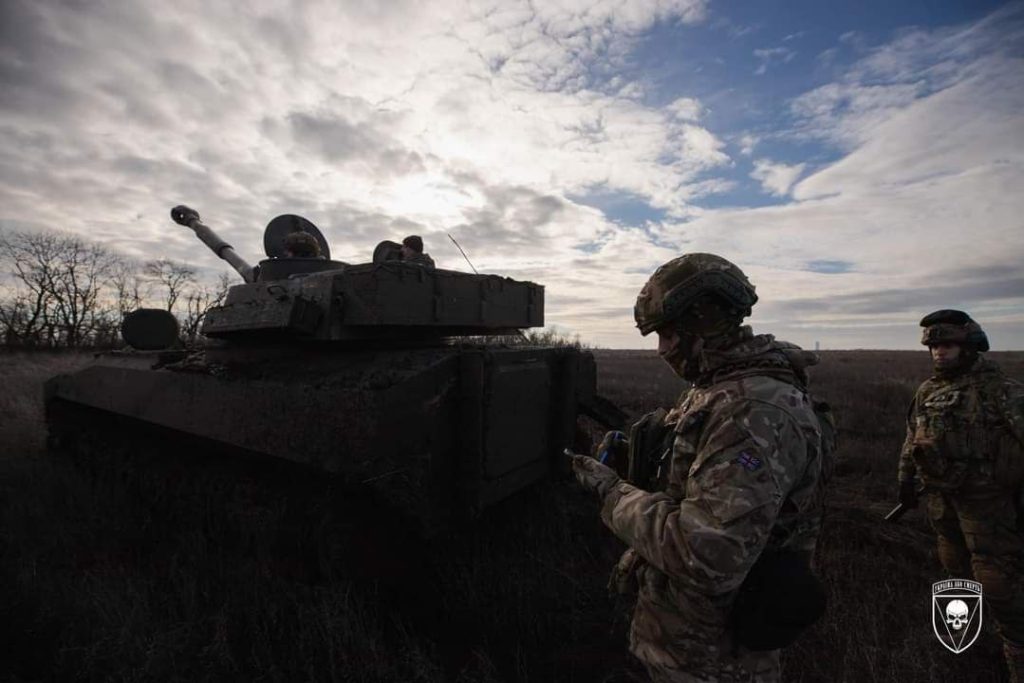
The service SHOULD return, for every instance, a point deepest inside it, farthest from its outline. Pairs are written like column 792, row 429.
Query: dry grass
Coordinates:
column 153, row 574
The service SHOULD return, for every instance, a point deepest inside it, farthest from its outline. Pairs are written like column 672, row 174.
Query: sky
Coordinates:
column 863, row 163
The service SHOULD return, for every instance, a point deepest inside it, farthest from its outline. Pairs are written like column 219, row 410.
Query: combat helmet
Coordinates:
column 674, row 287
column 950, row 326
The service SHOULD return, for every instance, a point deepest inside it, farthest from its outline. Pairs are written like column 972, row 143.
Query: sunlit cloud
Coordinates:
column 571, row 143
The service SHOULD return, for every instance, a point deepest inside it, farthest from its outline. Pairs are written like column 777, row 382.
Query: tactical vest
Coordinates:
column 961, row 432
column 653, row 436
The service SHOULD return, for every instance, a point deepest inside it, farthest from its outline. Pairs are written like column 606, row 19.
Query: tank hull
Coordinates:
column 439, row 432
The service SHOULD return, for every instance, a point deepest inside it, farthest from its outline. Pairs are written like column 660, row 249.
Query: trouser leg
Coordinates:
column 997, row 557
column 1014, row 655
column 952, row 546
column 765, row 671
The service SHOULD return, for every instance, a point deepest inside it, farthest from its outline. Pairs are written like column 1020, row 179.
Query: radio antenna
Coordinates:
column 463, row 253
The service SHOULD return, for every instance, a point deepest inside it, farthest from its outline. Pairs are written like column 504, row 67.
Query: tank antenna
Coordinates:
column 463, row 253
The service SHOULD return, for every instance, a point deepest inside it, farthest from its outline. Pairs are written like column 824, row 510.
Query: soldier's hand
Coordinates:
column 613, row 451
column 594, row 476
column 908, row 494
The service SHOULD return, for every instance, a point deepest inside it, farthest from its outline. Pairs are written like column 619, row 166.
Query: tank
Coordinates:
column 378, row 374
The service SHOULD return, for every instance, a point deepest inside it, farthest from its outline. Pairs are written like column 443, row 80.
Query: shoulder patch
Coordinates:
column 748, row 461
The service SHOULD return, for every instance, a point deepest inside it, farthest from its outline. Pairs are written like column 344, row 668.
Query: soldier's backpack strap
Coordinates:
column 647, row 445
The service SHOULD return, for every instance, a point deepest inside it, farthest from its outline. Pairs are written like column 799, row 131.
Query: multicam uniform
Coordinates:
column 744, row 474
column 965, row 442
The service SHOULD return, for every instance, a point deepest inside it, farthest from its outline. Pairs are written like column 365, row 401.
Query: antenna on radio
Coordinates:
column 463, row 253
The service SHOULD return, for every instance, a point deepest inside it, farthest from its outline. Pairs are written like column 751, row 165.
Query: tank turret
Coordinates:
column 325, row 300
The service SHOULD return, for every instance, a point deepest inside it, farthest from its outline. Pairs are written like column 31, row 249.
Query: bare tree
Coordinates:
column 27, row 311
column 84, row 271
column 58, row 292
column 65, row 290
column 198, row 302
column 131, row 289
column 173, row 276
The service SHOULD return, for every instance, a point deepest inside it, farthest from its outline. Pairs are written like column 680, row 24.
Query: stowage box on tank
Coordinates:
column 353, row 370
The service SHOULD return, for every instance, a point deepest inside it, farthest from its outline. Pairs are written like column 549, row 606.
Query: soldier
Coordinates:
column 301, row 244
column 965, row 445
column 412, row 252
column 723, row 494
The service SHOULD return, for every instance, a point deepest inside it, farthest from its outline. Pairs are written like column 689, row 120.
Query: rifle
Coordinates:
column 897, row 512
column 901, row 509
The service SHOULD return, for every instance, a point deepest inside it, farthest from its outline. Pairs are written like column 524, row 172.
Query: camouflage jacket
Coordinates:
column 420, row 260
column 967, row 428
column 744, row 472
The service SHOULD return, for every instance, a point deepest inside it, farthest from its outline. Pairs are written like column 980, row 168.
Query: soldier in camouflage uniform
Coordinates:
column 965, row 449
column 740, row 478
column 300, row 244
column 412, row 252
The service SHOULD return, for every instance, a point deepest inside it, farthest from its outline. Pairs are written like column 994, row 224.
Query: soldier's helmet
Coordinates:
column 950, row 326
column 678, row 284
column 301, row 244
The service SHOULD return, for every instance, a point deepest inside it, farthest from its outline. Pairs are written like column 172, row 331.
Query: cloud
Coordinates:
column 905, row 300
column 514, row 90
column 747, row 143
column 686, row 109
column 923, row 199
column 495, row 123
column 890, row 77
column 339, row 140
column 828, row 266
column 776, row 178
column 772, row 56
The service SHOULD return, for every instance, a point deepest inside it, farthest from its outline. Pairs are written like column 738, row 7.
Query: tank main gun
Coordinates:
column 183, row 215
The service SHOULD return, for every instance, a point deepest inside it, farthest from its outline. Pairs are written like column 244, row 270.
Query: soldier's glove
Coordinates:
column 614, row 451
column 908, row 495
column 594, row 476
column 623, row 580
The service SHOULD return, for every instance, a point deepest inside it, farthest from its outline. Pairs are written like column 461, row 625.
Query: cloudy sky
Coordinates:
column 862, row 162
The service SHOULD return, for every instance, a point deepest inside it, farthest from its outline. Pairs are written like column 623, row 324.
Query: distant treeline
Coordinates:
column 59, row 290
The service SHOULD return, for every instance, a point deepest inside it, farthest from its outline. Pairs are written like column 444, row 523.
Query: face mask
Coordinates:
column 684, row 356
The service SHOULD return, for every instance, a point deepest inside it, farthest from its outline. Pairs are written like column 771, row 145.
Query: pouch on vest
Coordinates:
column 647, row 446
column 780, row 598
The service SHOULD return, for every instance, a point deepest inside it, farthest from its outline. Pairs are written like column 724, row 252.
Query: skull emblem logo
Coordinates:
column 956, row 614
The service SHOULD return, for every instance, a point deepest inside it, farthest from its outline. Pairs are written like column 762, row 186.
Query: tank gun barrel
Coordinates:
column 183, row 215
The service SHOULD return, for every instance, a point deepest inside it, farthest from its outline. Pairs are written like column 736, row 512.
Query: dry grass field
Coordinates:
column 134, row 577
